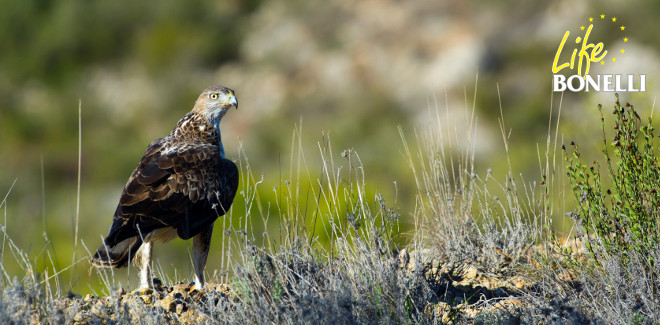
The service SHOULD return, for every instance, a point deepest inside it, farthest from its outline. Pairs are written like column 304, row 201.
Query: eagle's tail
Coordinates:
column 117, row 254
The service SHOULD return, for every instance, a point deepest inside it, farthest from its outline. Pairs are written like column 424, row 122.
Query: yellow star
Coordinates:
column 613, row 19
column 591, row 19
column 613, row 59
column 622, row 50
column 581, row 27
column 602, row 16
column 602, row 62
column 625, row 40
column 623, row 27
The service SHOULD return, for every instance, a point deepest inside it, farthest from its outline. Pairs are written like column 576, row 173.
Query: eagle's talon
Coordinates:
column 194, row 288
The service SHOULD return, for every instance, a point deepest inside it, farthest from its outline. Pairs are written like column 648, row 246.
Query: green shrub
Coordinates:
column 622, row 219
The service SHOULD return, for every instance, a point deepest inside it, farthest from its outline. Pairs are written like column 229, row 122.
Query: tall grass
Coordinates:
column 468, row 217
column 340, row 251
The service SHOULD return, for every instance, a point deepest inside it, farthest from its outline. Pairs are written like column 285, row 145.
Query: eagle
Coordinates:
column 182, row 184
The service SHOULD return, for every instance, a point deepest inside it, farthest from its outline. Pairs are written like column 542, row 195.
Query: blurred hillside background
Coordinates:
column 353, row 70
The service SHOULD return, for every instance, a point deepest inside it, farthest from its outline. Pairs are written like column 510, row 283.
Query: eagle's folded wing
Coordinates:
column 184, row 187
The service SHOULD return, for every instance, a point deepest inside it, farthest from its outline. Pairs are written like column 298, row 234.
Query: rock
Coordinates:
column 81, row 317
column 181, row 287
column 470, row 272
column 444, row 310
column 224, row 289
column 168, row 303
column 181, row 307
column 142, row 291
column 99, row 310
column 446, row 317
column 148, row 299
column 519, row 285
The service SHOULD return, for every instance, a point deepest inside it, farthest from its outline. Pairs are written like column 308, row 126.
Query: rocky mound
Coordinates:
column 181, row 303
column 463, row 293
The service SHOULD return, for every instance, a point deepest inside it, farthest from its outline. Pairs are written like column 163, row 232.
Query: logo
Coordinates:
column 585, row 53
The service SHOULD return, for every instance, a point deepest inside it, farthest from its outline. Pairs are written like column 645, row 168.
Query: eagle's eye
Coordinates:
column 213, row 96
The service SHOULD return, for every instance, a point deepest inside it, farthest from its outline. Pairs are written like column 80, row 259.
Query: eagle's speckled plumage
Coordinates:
column 180, row 187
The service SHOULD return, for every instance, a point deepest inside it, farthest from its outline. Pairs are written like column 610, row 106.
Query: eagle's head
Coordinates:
column 214, row 102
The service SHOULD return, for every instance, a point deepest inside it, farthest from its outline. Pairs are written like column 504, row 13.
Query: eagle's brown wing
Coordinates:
column 185, row 186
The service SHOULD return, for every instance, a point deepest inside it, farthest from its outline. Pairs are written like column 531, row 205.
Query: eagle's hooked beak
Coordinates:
column 233, row 101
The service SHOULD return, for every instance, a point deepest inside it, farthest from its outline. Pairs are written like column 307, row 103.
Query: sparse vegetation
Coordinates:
column 481, row 250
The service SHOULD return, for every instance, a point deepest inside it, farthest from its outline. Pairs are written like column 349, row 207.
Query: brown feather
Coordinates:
column 181, row 182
